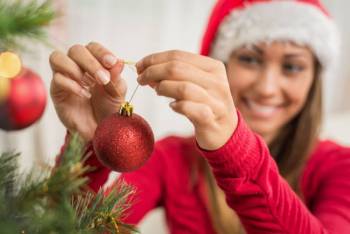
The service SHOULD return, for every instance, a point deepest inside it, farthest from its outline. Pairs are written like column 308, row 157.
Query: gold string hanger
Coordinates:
column 132, row 66
column 127, row 109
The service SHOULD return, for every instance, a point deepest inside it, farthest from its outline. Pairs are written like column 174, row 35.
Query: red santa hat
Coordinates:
column 235, row 23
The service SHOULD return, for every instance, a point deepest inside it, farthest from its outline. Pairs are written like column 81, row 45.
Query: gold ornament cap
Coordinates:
column 126, row 109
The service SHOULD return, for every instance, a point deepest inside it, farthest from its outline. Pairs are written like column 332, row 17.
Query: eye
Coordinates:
column 249, row 59
column 292, row 68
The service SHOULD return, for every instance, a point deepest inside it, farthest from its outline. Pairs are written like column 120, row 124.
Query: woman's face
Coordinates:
column 270, row 83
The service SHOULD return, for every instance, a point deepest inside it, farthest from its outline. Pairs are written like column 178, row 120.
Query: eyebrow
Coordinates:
column 294, row 55
column 257, row 49
column 288, row 56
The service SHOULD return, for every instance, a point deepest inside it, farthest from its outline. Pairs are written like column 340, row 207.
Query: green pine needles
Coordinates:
column 23, row 20
column 59, row 201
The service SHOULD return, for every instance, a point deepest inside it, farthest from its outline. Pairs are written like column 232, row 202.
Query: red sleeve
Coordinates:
column 99, row 175
column 332, row 203
column 264, row 201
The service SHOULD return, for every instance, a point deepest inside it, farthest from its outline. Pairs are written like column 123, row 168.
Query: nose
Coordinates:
column 267, row 83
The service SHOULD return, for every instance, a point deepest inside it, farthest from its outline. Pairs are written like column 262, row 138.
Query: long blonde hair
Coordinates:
column 290, row 149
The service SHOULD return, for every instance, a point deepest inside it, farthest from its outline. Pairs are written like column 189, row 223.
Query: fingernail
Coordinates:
column 120, row 63
column 110, row 60
column 138, row 66
column 103, row 76
column 85, row 93
column 154, row 86
column 172, row 104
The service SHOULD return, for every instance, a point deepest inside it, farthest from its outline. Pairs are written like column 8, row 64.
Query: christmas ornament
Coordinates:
column 25, row 102
column 123, row 141
column 10, row 65
column 4, row 89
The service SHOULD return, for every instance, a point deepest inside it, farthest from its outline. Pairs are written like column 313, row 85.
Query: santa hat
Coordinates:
column 235, row 23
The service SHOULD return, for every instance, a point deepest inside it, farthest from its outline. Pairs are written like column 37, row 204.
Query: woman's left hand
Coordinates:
column 201, row 91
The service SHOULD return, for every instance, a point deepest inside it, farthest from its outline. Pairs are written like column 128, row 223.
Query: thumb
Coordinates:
column 116, row 88
column 116, row 70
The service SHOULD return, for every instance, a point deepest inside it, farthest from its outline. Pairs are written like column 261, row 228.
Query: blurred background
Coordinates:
column 133, row 29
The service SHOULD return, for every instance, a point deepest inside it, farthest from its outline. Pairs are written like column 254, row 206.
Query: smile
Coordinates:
column 262, row 110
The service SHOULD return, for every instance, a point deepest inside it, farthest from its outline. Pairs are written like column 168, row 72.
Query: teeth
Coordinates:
column 262, row 109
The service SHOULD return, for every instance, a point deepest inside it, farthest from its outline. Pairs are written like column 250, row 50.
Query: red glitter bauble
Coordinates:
column 123, row 143
column 25, row 102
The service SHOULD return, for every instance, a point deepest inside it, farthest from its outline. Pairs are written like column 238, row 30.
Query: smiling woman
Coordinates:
column 271, row 83
column 254, row 100
column 277, row 89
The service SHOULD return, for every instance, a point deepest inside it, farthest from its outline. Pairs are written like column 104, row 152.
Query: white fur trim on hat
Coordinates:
column 293, row 21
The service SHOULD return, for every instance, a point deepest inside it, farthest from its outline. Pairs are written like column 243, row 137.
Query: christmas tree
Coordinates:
column 23, row 20
column 21, row 24
column 57, row 200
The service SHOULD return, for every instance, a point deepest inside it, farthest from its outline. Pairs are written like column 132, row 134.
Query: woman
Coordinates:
column 255, row 104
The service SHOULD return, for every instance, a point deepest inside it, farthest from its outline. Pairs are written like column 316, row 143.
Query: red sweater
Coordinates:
column 247, row 173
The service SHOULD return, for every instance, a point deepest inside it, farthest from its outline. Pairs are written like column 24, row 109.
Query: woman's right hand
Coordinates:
column 86, row 87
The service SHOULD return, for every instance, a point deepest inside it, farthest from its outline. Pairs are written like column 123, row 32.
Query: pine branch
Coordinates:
column 57, row 201
column 8, row 174
column 8, row 177
column 105, row 211
column 23, row 20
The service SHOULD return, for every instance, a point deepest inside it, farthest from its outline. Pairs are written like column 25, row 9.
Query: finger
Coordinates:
column 187, row 91
column 202, row 62
column 61, row 63
column 88, row 78
column 64, row 83
column 117, row 87
column 103, row 55
column 198, row 113
column 116, row 71
column 175, row 71
column 89, row 63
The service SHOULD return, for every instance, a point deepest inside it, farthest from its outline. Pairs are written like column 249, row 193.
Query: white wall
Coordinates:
column 132, row 29
column 337, row 95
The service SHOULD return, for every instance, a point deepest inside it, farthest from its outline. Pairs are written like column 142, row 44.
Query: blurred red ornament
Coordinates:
column 123, row 141
column 4, row 89
column 25, row 101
